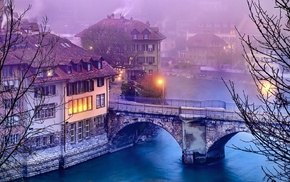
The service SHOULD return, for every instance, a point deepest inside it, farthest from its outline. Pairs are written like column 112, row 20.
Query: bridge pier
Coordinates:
column 190, row 157
column 194, row 146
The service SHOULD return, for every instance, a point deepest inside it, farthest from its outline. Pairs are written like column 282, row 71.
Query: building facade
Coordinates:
column 54, row 101
column 136, row 46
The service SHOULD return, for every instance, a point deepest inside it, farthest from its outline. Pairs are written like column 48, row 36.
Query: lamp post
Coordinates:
column 161, row 82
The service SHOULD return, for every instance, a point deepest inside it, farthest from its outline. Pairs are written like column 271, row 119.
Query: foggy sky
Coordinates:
column 72, row 16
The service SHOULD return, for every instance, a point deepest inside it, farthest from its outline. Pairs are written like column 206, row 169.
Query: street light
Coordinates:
column 161, row 82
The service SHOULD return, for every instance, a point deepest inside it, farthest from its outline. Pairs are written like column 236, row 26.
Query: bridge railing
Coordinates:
column 180, row 102
column 187, row 112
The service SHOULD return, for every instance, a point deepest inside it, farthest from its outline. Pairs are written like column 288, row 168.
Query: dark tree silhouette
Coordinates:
column 113, row 44
column 268, row 122
column 20, row 68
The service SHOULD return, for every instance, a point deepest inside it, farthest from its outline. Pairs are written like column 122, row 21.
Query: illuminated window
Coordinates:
column 75, row 106
column 90, row 103
column 85, row 103
column 49, row 72
column 70, row 109
column 80, row 105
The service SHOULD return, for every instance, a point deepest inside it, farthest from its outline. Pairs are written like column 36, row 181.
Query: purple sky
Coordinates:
column 72, row 16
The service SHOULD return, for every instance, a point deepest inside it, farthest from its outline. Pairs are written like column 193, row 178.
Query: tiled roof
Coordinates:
column 125, row 25
column 57, row 52
column 62, row 51
column 205, row 40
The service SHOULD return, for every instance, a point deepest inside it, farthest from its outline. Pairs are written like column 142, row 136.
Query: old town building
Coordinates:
column 136, row 45
column 54, row 100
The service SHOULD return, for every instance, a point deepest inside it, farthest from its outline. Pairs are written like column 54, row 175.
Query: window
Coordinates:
column 37, row 142
column 11, row 121
column 87, row 128
column 10, row 84
column 80, row 130
column 99, row 65
column 40, row 74
column 44, row 91
column 145, row 36
column 7, row 72
column 89, row 66
column 150, row 60
column 135, row 36
column 80, row 105
column 69, row 69
column 10, row 139
column 99, row 121
column 80, row 87
column 9, row 102
column 51, row 139
column 44, row 141
column 100, row 100
column 72, row 132
column 150, row 72
column 141, row 60
column 45, row 111
column 79, row 68
column 49, row 72
column 100, row 82
column 150, row 47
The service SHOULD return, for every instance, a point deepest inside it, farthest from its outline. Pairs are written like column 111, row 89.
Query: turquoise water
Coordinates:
column 160, row 159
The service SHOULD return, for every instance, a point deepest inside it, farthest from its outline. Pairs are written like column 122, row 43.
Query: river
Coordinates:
column 160, row 159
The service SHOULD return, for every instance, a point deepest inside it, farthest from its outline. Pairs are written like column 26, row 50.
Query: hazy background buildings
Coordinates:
column 178, row 20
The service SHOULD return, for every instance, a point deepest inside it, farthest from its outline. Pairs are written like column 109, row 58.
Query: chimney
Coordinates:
column 148, row 24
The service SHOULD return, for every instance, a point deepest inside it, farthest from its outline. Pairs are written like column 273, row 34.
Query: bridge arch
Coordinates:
column 216, row 144
column 117, row 121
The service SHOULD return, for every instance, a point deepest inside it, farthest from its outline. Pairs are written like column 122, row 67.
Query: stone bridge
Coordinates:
column 201, row 132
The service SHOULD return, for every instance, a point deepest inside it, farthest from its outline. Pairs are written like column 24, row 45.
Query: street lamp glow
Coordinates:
column 267, row 88
column 160, row 82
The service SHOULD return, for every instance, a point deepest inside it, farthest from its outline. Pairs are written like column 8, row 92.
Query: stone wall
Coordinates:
column 54, row 157
column 86, row 150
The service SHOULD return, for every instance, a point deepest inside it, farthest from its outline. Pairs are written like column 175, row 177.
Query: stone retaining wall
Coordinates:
column 54, row 158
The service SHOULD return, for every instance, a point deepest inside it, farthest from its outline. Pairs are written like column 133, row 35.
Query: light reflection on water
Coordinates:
column 160, row 159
